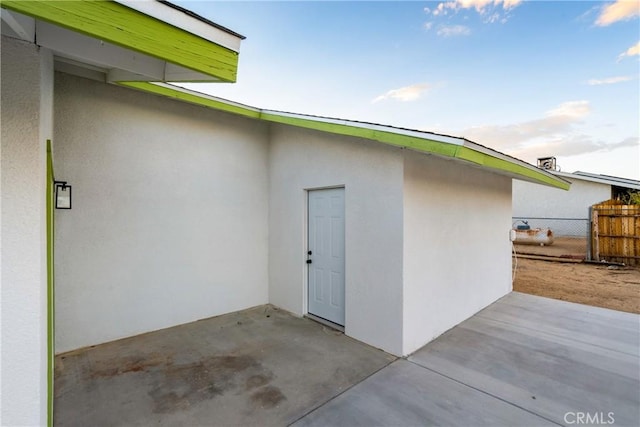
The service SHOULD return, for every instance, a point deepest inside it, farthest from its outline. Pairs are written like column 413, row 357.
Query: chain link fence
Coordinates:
column 561, row 227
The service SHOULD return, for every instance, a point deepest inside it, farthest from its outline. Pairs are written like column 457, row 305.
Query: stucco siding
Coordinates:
column 26, row 115
column 170, row 213
column 372, row 177
column 533, row 201
column 457, row 257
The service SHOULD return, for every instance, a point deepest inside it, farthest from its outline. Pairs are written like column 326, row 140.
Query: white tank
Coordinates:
column 534, row 236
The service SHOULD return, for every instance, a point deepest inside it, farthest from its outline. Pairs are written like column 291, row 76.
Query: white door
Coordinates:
column 326, row 254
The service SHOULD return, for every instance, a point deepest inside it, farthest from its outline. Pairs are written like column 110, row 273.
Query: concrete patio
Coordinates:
column 524, row 360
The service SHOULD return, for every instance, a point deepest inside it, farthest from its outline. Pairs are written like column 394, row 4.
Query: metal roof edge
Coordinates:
column 192, row 97
column 464, row 150
column 429, row 143
column 201, row 18
column 447, row 139
column 600, row 179
column 532, row 169
column 126, row 27
column 186, row 20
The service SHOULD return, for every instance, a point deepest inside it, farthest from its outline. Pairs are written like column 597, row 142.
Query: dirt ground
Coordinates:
column 569, row 247
column 617, row 288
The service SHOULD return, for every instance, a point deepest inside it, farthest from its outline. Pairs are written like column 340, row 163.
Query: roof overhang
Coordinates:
column 137, row 43
column 600, row 179
column 444, row 146
column 127, row 40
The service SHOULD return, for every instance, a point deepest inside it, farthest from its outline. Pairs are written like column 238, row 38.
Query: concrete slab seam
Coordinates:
column 565, row 337
column 484, row 392
column 341, row 393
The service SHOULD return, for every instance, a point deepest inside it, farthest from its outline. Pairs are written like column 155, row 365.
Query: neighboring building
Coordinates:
column 186, row 206
column 567, row 213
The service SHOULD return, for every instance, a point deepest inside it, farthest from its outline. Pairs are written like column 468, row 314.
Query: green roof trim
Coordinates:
column 496, row 163
column 389, row 137
column 424, row 145
column 128, row 28
column 192, row 98
column 385, row 137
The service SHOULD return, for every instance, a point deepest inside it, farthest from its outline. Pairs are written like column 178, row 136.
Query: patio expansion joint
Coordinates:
column 482, row 391
column 342, row 392
column 551, row 334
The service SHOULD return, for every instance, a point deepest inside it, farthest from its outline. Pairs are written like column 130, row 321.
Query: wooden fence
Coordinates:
column 615, row 232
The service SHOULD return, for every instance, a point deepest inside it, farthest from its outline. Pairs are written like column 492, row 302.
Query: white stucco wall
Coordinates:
column 372, row 176
column 539, row 201
column 457, row 253
column 170, row 213
column 26, row 113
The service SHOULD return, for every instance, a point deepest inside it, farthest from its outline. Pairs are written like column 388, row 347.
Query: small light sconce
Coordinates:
column 63, row 195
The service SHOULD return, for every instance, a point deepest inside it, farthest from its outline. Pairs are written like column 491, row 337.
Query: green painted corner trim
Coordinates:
column 191, row 98
column 50, row 290
column 120, row 25
column 424, row 145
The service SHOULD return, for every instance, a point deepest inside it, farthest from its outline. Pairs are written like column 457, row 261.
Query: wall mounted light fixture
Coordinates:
column 63, row 195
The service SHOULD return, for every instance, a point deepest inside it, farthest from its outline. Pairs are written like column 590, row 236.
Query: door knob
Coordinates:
column 308, row 261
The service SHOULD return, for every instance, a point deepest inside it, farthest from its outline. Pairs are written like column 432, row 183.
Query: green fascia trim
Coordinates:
column 390, row 138
column 422, row 145
column 128, row 28
column 50, row 296
column 491, row 162
column 340, row 129
column 192, row 99
column 386, row 137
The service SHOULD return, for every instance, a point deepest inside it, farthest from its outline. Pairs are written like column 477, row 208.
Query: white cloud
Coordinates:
column 609, row 80
column 481, row 6
column 573, row 109
column 510, row 4
column 427, row 25
column 405, row 94
column 572, row 146
column 632, row 51
column 491, row 10
column 493, row 18
column 621, row 10
column 554, row 134
column 454, row 30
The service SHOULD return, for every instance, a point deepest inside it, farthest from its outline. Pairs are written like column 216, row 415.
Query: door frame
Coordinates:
column 305, row 247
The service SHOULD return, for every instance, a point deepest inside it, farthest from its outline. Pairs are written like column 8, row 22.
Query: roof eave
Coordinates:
column 187, row 20
column 511, row 166
column 116, row 24
column 439, row 145
column 429, row 143
column 621, row 182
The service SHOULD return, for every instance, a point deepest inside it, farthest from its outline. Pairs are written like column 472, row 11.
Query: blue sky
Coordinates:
column 528, row 78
